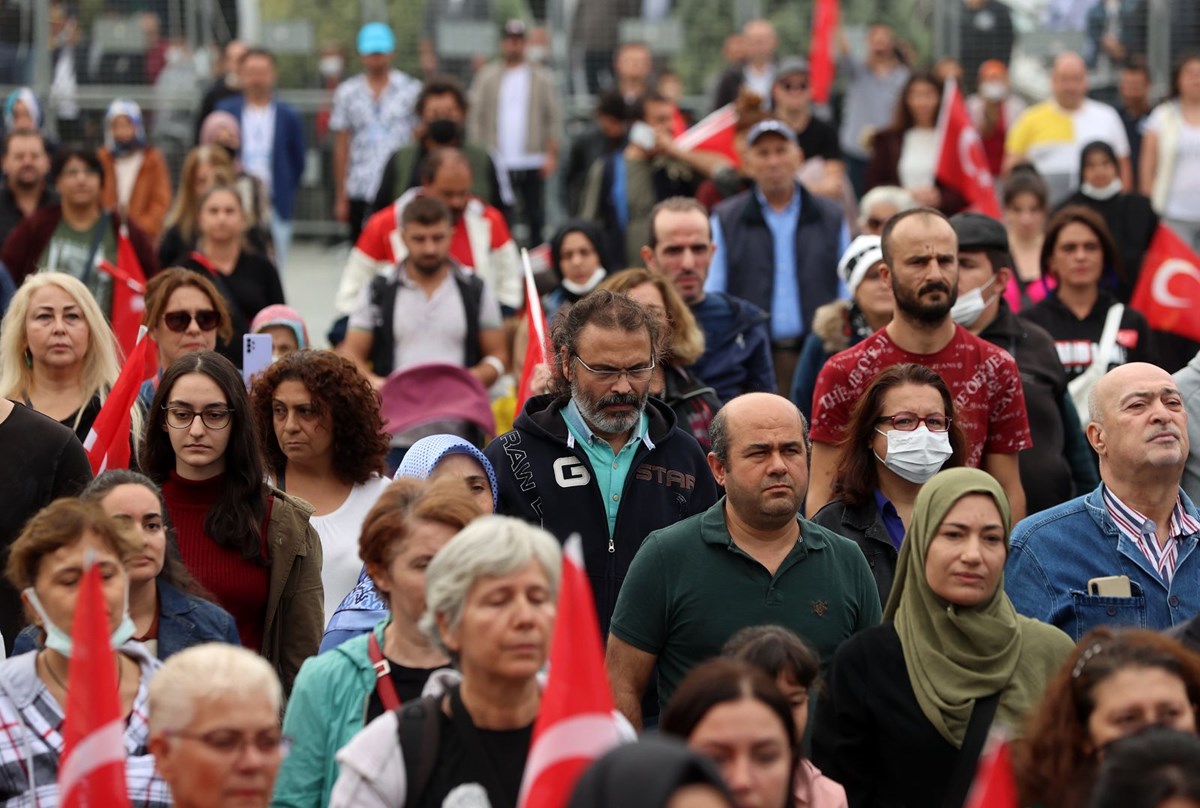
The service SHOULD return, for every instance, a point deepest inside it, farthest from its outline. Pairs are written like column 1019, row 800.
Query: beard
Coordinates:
column 915, row 306
column 595, row 414
column 426, row 266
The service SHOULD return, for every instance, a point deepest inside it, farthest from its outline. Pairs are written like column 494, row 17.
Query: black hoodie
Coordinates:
column 549, row 481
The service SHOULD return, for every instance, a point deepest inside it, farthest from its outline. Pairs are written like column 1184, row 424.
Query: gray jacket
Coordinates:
column 544, row 116
column 1188, row 380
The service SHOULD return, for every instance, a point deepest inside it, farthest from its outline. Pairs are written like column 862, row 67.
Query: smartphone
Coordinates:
column 256, row 356
column 1111, row 586
column 642, row 135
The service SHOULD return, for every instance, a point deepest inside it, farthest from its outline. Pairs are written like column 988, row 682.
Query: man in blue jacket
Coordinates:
column 272, row 142
column 737, row 344
column 597, row 456
column 1137, row 532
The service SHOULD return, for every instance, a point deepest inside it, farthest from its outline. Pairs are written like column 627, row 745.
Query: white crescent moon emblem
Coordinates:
column 1162, row 281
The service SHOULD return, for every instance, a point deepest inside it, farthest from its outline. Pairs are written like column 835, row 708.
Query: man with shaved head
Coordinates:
column 1052, row 134
column 1125, row 554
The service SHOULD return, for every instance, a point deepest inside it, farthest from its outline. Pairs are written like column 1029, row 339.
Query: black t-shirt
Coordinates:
column 45, row 462
column 253, row 285
column 495, row 764
column 1076, row 339
column 819, row 139
column 409, row 682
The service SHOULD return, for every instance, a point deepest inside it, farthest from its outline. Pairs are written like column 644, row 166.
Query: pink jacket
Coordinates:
column 814, row 790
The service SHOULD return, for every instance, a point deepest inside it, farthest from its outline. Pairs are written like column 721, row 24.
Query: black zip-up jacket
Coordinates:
column 546, row 479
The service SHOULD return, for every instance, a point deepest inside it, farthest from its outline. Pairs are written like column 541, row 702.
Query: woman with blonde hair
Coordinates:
column 693, row 401
column 205, row 167
column 57, row 353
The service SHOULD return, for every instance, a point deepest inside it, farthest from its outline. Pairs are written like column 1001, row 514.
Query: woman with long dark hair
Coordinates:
column 248, row 543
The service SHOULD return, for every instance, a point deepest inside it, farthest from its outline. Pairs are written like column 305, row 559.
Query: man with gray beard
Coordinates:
column 596, row 455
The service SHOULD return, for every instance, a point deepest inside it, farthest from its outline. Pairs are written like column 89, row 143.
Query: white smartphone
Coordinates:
column 256, row 356
column 642, row 135
column 1111, row 586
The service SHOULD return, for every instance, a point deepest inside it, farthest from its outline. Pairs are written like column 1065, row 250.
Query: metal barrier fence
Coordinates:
column 161, row 53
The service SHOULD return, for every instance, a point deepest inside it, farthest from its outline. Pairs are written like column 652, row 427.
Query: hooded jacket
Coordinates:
column 738, row 359
column 546, row 478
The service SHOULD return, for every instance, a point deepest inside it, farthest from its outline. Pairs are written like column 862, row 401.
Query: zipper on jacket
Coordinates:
column 612, row 547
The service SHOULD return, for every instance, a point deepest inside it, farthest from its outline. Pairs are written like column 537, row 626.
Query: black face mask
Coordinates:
column 443, row 131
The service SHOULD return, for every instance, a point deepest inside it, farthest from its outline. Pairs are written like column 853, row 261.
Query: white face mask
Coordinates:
column 330, row 66
column 918, row 455
column 536, row 53
column 969, row 306
column 993, row 90
column 588, row 285
column 60, row 641
column 1107, row 192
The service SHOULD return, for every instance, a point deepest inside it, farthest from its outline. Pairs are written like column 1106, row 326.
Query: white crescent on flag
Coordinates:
column 1161, row 289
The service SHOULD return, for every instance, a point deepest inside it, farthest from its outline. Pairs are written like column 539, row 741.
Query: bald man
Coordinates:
column 751, row 542
column 1125, row 554
column 1052, row 134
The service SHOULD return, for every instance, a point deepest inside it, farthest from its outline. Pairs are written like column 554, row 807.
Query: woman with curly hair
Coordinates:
column 1113, row 684
column 335, row 464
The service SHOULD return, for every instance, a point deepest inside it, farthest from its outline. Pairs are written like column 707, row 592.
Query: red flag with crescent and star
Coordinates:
column 1168, row 288
column 962, row 164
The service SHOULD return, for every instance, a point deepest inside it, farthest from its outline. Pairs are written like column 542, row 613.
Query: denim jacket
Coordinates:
column 1056, row 552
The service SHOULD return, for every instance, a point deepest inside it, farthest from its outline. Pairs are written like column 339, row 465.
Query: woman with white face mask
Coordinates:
column 901, row 432
column 47, row 563
column 1129, row 217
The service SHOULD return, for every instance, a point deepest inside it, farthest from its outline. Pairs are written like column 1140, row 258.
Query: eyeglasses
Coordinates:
column 908, row 421
column 178, row 321
column 233, row 743
column 612, row 374
column 794, row 86
column 875, row 223
column 183, row 417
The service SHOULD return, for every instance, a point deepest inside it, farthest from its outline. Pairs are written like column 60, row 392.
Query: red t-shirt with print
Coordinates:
column 989, row 402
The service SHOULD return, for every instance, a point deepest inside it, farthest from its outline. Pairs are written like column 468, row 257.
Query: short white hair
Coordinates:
column 893, row 195
column 489, row 547
column 204, row 673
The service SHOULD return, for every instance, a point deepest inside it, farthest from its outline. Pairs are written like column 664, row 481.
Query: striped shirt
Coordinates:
column 1142, row 531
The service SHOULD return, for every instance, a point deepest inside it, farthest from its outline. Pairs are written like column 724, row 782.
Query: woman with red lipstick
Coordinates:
column 248, row 543
column 1080, row 255
column 910, row 702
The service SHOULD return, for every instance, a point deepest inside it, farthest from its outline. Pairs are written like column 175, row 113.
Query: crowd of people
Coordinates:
column 859, row 474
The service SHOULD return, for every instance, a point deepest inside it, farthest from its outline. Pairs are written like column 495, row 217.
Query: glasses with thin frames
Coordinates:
column 183, row 417
column 233, row 743
column 178, row 321
column 908, row 421
column 612, row 374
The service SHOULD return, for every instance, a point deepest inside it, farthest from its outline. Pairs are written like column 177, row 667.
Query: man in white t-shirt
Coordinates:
column 1052, row 134
column 516, row 115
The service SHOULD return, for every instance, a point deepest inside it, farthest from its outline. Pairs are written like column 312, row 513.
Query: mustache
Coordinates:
column 619, row 400
column 934, row 286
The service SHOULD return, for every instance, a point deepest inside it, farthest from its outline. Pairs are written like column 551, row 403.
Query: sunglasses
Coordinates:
column 178, row 321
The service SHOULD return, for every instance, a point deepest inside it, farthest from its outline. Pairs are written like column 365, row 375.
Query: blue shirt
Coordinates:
column 891, row 519
column 786, row 320
column 609, row 469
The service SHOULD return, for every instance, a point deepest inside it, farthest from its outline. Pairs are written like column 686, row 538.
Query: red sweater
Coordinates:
column 239, row 585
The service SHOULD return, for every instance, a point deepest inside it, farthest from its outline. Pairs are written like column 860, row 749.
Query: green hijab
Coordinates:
column 957, row 654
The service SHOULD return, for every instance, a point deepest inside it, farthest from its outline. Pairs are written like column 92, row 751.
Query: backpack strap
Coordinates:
column 383, row 674
column 418, row 727
column 968, row 756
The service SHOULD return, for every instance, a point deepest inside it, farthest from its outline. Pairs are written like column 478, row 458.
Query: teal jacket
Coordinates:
column 325, row 711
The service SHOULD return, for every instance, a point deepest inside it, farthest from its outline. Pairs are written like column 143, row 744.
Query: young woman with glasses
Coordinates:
column 185, row 313
column 900, row 434
column 248, row 543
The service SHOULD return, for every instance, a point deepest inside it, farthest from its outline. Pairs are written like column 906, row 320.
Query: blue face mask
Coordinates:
column 60, row 641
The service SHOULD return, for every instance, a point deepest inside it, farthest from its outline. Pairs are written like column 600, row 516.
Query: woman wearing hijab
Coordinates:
column 909, row 701
column 137, row 184
column 655, row 772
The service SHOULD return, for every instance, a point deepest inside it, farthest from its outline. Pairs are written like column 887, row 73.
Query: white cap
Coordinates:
column 862, row 254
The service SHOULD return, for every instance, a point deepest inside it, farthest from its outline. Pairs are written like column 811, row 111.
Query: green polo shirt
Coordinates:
column 690, row 588
column 609, row 469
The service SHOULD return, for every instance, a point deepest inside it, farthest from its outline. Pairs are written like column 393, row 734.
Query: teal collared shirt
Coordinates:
column 610, row 469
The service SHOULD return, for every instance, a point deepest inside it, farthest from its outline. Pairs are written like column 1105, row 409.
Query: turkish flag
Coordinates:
column 577, row 722
column 1168, row 288
column 535, row 319
column 129, row 289
column 713, row 133
column 962, row 163
column 821, row 68
column 91, row 772
column 994, row 785
column 107, row 442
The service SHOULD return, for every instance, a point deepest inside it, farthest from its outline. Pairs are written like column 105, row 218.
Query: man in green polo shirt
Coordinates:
column 748, row 560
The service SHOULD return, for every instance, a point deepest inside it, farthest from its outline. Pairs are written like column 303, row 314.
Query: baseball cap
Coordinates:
column 976, row 231
column 770, row 127
column 515, row 27
column 789, row 65
column 375, row 37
